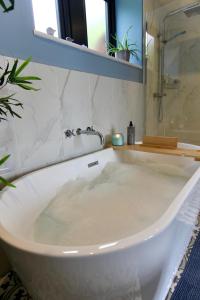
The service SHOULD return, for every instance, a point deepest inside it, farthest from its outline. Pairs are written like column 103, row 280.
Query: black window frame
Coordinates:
column 73, row 23
column 111, row 21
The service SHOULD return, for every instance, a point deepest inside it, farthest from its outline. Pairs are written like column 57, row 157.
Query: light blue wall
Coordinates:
column 17, row 40
column 130, row 13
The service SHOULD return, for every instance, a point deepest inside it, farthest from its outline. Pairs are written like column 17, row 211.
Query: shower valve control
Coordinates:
column 157, row 95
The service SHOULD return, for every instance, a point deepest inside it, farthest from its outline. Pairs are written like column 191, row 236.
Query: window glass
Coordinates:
column 45, row 16
column 149, row 44
column 96, row 24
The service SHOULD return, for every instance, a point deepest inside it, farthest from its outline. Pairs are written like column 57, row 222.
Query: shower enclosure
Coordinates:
column 176, row 95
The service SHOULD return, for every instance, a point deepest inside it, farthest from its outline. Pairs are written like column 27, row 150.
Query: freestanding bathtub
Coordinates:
column 139, row 267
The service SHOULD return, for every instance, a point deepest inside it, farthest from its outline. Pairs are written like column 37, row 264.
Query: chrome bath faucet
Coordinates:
column 87, row 131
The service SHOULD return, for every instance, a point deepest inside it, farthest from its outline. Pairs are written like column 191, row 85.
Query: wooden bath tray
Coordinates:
column 160, row 142
column 161, row 145
column 178, row 151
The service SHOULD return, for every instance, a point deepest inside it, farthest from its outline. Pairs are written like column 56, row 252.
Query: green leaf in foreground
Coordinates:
column 3, row 180
column 4, row 159
column 27, row 87
column 6, row 183
column 7, row 105
column 3, row 76
column 23, row 66
column 6, row 7
column 23, row 82
column 11, row 76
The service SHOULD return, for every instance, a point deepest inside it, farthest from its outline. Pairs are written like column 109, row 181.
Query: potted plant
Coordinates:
column 7, row 5
column 12, row 75
column 123, row 49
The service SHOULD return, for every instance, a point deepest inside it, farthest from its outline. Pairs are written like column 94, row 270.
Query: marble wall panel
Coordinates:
column 66, row 100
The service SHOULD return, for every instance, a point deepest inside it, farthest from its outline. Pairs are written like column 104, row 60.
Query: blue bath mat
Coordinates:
column 188, row 288
column 11, row 288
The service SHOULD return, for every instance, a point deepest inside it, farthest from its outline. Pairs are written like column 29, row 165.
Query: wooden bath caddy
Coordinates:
column 161, row 145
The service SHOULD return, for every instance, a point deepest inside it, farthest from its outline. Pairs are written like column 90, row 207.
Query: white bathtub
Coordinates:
column 141, row 266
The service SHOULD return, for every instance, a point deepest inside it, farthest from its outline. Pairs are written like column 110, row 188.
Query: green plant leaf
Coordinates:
column 2, row 4
column 4, row 159
column 123, row 44
column 6, row 182
column 29, row 78
column 3, row 180
column 27, row 87
column 11, row 76
column 23, row 66
column 6, row 104
column 7, row 8
column 6, row 98
column 22, row 81
column 5, row 73
column 18, row 81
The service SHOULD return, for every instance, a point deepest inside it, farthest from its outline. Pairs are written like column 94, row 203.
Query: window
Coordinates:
column 96, row 24
column 47, row 24
column 92, row 23
column 87, row 22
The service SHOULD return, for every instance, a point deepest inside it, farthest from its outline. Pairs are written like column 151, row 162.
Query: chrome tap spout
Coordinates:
column 91, row 131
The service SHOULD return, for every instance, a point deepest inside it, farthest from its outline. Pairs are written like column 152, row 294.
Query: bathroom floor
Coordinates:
column 171, row 294
column 11, row 287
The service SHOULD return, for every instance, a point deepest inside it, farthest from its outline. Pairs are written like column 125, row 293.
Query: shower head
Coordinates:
column 193, row 10
column 174, row 37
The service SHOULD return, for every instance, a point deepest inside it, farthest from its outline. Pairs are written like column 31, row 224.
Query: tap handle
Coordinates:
column 90, row 128
column 78, row 131
column 69, row 133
